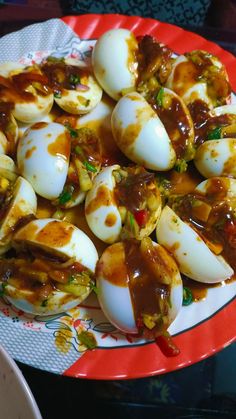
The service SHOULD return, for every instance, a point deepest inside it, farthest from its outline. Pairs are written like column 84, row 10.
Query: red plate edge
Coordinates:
column 214, row 333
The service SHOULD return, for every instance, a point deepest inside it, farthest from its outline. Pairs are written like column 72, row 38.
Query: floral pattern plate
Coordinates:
column 51, row 343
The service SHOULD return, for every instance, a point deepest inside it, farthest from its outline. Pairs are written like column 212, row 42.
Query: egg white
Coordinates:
column 46, row 170
column 114, row 61
column 140, row 134
column 193, row 256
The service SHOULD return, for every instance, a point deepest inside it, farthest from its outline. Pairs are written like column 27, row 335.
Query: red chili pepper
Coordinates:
column 141, row 217
column 167, row 345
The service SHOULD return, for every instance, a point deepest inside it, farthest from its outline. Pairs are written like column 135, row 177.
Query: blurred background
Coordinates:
column 206, row 389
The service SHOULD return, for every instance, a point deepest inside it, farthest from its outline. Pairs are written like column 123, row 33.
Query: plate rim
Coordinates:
column 99, row 363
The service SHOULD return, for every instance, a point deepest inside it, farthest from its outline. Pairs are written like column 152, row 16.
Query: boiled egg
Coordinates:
column 218, row 187
column 134, row 281
column 43, row 158
column 141, row 135
column 8, row 130
column 19, row 201
column 27, row 89
column 199, row 75
column 217, row 158
column 60, row 273
column 75, row 89
column 114, row 61
column 123, row 202
column 194, row 258
column 85, row 164
column 177, row 121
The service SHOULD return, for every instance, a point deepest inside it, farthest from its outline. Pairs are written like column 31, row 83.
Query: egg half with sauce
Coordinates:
column 75, row 89
column 139, row 287
column 199, row 75
column 115, row 63
column 8, row 129
column 193, row 255
column 18, row 201
column 54, row 268
column 140, row 134
column 43, row 158
column 123, row 203
column 27, row 89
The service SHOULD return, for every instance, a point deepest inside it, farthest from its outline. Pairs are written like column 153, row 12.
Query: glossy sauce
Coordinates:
column 145, row 290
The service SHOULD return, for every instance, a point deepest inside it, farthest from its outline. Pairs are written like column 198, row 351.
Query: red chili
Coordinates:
column 141, row 217
column 167, row 345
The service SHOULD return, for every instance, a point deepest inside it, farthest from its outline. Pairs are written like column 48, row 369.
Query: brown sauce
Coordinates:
column 204, row 123
column 153, row 59
column 133, row 190
column 219, row 226
column 176, row 123
column 63, row 76
column 145, row 290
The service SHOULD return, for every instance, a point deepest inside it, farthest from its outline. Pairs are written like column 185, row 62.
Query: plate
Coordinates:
column 14, row 387
column 50, row 343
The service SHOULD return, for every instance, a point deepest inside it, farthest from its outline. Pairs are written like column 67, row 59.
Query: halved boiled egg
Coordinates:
column 85, row 164
column 141, row 135
column 114, row 61
column 43, row 157
column 177, row 121
column 53, row 269
column 18, row 202
column 27, row 89
column 123, row 203
column 75, row 89
column 199, row 75
column 8, row 129
column 139, row 287
column 192, row 253
column 216, row 158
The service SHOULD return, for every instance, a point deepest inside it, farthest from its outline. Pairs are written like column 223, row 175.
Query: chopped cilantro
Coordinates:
column 65, row 196
column 90, row 167
column 187, row 296
column 215, row 134
column 57, row 95
column 2, row 290
column 73, row 132
column 94, row 288
column 159, row 97
column 44, row 303
column 131, row 221
column 74, row 79
column 180, row 166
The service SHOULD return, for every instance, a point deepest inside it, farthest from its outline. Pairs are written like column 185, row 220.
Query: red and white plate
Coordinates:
column 50, row 343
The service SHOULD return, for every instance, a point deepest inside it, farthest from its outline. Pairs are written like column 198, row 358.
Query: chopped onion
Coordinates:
column 81, row 87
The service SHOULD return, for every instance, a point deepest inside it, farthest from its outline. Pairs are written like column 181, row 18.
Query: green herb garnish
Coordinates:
column 159, row 97
column 180, row 166
column 90, row 167
column 2, row 290
column 78, row 150
column 74, row 79
column 73, row 132
column 215, row 134
column 44, row 303
column 131, row 221
column 71, row 279
column 94, row 288
column 64, row 197
column 187, row 296
column 57, row 95
column 87, row 339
